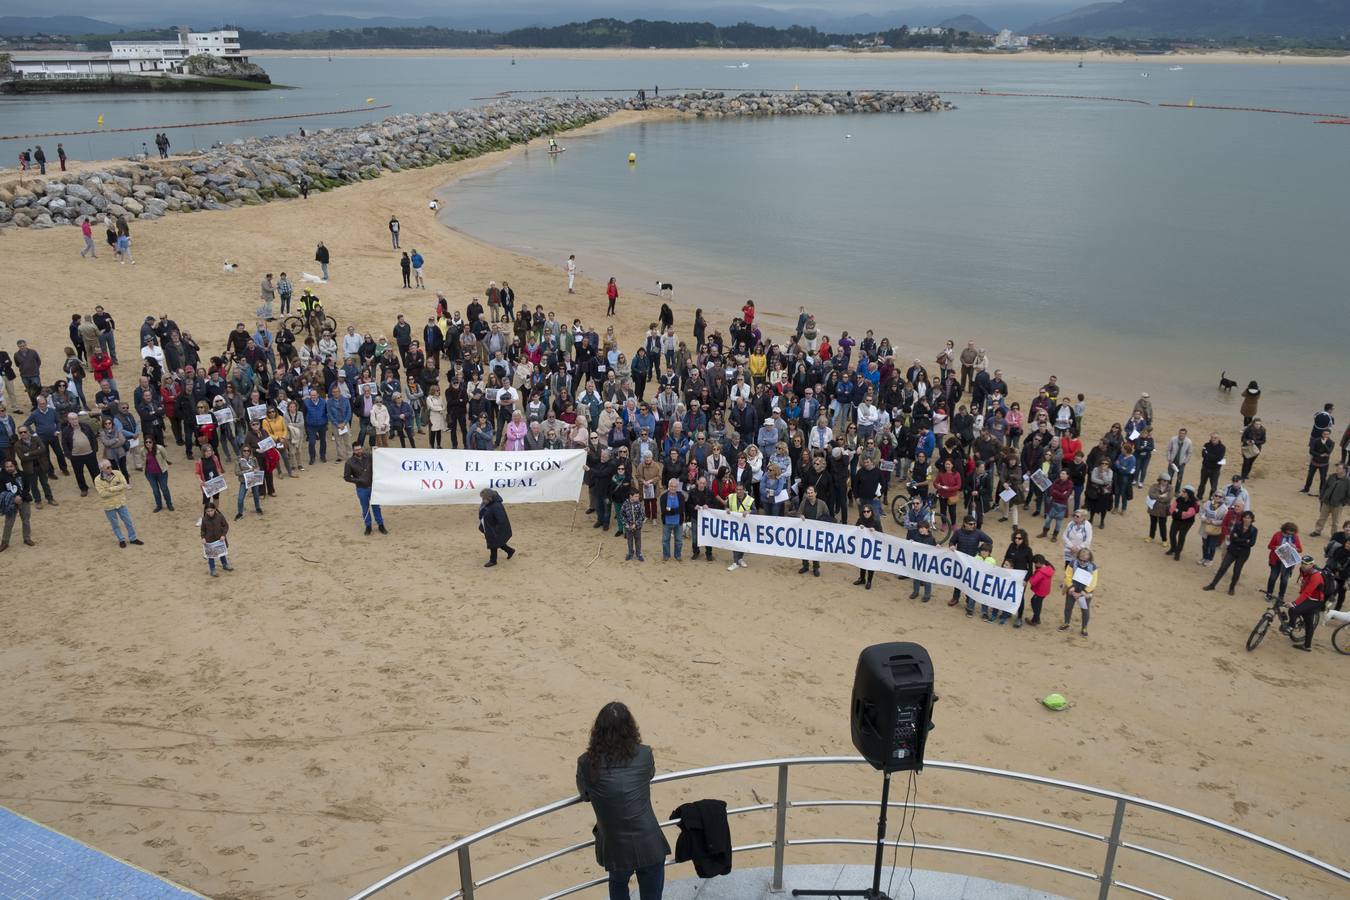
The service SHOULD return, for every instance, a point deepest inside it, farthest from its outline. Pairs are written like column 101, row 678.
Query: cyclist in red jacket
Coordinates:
column 1310, row 602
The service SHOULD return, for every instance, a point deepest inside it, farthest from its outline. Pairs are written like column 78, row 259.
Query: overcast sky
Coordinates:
column 245, row 10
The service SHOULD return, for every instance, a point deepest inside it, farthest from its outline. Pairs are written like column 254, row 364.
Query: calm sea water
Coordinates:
column 1182, row 242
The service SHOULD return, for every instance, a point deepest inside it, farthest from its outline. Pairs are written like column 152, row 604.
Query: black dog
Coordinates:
column 1226, row 384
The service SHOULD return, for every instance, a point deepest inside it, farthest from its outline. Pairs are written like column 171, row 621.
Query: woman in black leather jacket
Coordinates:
column 614, row 775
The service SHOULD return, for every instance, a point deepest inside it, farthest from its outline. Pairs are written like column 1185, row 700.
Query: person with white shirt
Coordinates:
column 351, row 342
column 822, row 436
column 571, row 273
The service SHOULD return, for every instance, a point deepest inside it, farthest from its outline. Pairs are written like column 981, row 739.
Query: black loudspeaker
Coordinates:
column 892, row 708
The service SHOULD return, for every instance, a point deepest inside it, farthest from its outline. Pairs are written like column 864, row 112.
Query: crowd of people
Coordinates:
column 797, row 424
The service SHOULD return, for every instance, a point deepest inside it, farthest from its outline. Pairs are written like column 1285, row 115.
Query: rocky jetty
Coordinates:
column 258, row 170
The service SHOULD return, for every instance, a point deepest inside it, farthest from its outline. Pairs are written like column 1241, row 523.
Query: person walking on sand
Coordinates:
column 417, row 263
column 87, row 231
column 321, row 257
column 405, row 264
column 61, row 156
column 1241, row 540
column 267, row 293
column 394, row 228
column 571, row 273
column 614, row 776
column 215, row 543
column 16, row 502
column 112, row 490
column 612, row 293
column 495, row 525
column 1080, row 582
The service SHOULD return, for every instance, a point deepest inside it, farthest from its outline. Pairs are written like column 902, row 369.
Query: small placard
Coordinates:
column 224, row 415
column 204, row 419
column 266, row 444
column 887, row 465
column 256, row 413
column 214, row 486
column 215, row 549
column 254, row 478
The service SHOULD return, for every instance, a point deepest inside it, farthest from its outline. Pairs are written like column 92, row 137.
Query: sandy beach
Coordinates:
column 1094, row 56
column 343, row 704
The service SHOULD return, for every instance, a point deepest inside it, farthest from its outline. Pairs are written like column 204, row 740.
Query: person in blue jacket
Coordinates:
column 316, row 425
column 340, row 417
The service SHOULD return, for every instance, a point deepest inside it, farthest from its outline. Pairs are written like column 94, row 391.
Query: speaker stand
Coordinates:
column 874, row 892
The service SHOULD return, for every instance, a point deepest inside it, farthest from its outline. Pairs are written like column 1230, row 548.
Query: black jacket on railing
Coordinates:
column 705, row 837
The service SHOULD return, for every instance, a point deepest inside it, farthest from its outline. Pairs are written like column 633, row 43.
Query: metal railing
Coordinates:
column 1113, row 841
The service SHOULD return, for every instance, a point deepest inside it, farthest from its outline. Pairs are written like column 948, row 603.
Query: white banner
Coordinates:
column 865, row 548
column 426, row 477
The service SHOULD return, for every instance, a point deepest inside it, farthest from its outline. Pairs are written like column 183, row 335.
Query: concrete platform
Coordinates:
column 37, row 863
column 753, row 884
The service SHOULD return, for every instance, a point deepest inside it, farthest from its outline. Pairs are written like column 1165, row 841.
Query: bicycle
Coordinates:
column 1340, row 638
column 1277, row 609
column 940, row 529
column 314, row 323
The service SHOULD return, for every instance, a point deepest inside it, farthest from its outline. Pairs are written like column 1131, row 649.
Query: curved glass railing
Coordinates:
column 1300, row 875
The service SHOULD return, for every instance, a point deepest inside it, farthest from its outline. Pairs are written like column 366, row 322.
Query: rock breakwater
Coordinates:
column 257, row 170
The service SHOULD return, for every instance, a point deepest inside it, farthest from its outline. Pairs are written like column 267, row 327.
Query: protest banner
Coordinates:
column 425, row 477
column 864, row 548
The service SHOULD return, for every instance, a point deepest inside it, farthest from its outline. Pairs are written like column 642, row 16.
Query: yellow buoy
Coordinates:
column 632, row 157
column 370, row 99
column 1190, row 102
column 100, row 120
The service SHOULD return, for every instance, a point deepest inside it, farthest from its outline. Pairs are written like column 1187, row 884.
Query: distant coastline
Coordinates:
column 1093, row 57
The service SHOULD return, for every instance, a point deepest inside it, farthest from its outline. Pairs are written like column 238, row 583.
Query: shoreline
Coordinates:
column 350, row 706
column 1094, row 56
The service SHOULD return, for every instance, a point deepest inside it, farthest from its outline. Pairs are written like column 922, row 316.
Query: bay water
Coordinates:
column 1122, row 243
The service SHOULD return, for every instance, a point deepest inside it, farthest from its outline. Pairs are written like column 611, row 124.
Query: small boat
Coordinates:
column 557, row 150
column 1174, row 69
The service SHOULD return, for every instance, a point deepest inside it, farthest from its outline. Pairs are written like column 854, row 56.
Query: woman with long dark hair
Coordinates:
column 614, row 775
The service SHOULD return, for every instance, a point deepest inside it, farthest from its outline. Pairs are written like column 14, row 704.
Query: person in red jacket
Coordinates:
column 1288, row 534
column 1311, row 601
column 947, row 486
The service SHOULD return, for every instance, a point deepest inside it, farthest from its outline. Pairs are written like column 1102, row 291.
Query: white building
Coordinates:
column 1006, row 40
column 134, row 57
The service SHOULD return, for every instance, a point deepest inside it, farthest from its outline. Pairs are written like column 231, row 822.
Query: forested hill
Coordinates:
column 599, row 33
